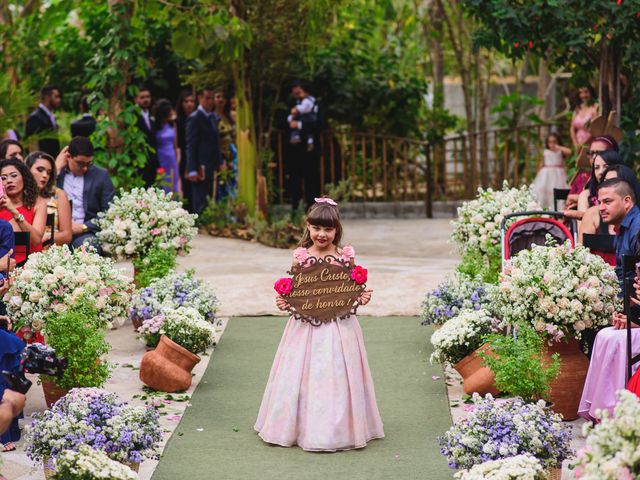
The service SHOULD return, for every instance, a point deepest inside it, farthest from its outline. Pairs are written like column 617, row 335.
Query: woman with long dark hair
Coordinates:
column 167, row 145
column 22, row 206
column 43, row 168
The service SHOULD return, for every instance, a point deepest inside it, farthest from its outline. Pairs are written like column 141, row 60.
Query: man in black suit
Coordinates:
column 89, row 189
column 145, row 123
column 85, row 125
column 203, row 149
column 42, row 122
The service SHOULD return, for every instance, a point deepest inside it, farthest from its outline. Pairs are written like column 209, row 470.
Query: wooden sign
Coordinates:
column 323, row 290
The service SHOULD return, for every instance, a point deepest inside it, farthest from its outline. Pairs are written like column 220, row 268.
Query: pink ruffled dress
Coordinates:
column 320, row 393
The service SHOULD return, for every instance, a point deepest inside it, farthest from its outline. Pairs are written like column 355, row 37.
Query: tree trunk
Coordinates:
column 610, row 81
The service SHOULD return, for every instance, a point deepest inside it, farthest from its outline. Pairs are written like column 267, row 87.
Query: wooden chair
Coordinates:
column 628, row 271
column 559, row 194
column 51, row 222
column 23, row 239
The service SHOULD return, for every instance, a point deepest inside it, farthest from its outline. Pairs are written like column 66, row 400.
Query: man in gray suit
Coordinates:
column 89, row 189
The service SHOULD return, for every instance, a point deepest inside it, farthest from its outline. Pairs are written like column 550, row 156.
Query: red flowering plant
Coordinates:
column 284, row 286
column 359, row 275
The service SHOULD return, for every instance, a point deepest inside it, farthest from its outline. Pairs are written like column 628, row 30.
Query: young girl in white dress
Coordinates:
column 552, row 174
column 320, row 393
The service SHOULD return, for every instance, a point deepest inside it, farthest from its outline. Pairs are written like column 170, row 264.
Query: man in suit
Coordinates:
column 145, row 123
column 85, row 125
column 89, row 189
column 42, row 122
column 203, row 149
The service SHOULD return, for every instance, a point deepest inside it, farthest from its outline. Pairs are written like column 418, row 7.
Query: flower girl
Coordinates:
column 320, row 393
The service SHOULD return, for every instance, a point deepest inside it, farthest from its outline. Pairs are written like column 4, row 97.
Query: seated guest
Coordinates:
column 43, row 168
column 22, row 206
column 85, row 125
column 589, row 196
column 607, row 368
column 88, row 187
column 10, row 148
column 10, row 348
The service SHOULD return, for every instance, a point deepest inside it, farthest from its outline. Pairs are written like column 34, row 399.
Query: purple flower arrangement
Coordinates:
column 457, row 293
column 502, row 429
column 94, row 417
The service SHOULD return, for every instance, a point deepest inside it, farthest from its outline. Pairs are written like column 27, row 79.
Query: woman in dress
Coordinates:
column 320, row 393
column 227, row 131
column 185, row 106
column 43, row 168
column 586, row 111
column 167, row 145
column 22, row 206
column 552, row 174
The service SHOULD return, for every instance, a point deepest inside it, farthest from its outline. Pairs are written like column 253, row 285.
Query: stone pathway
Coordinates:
column 405, row 258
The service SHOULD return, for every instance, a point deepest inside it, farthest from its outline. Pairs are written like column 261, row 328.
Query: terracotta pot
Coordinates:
column 168, row 367
column 52, row 392
column 554, row 474
column 137, row 323
column 476, row 377
column 566, row 389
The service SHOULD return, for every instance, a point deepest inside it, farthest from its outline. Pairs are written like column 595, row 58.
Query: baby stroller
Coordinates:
column 533, row 230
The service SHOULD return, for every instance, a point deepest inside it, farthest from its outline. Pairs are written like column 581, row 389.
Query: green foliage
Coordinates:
column 513, row 108
column 158, row 263
column 77, row 336
column 14, row 101
column 340, row 192
column 487, row 267
column 519, row 365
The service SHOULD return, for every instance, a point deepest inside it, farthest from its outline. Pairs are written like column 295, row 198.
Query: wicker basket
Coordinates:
column 554, row 474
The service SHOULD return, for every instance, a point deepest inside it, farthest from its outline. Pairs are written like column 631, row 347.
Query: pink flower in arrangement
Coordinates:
column 284, row 286
column 156, row 231
column 359, row 275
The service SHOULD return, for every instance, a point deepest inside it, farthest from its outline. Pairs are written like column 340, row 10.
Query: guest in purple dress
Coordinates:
column 167, row 146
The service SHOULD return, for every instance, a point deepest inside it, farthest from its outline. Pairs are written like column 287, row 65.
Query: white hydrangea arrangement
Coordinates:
column 612, row 446
column 460, row 336
column 142, row 218
column 559, row 290
column 89, row 464
column 184, row 325
column 519, row 467
column 477, row 227
column 57, row 279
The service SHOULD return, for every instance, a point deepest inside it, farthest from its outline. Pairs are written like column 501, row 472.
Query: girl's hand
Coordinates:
column 282, row 304
column 365, row 296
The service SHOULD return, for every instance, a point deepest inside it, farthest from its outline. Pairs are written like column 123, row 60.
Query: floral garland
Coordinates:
column 142, row 218
column 58, row 279
column 97, row 418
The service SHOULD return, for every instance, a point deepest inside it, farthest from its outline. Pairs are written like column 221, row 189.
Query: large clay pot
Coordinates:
column 476, row 377
column 168, row 367
column 566, row 389
column 52, row 392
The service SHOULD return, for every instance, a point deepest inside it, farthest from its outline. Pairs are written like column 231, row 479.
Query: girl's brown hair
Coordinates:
column 322, row 215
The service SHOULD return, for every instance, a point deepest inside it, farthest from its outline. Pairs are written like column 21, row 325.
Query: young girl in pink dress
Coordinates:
column 320, row 393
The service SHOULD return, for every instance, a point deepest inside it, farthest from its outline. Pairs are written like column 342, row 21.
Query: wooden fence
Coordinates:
column 394, row 169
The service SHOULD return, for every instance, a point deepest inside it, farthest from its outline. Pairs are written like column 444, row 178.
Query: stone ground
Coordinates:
column 405, row 258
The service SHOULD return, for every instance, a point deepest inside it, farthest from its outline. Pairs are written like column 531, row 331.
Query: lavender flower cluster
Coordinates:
column 496, row 430
column 94, row 417
column 457, row 293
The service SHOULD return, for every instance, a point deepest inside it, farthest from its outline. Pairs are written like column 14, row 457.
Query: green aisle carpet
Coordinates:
column 215, row 439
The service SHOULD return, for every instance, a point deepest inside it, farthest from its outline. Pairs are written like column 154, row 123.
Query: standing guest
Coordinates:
column 22, row 206
column 552, row 174
column 42, row 122
column 43, row 169
column 88, row 187
column 11, row 148
column 145, row 124
column 598, row 144
column 167, row 144
column 227, row 185
column 85, row 125
column 607, row 368
column 185, row 106
column 586, row 111
column 203, row 149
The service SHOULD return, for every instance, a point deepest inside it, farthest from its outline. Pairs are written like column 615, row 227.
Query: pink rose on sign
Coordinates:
column 359, row 275
column 284, row 286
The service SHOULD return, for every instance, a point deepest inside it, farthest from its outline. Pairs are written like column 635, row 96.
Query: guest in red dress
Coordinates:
column 22, row 206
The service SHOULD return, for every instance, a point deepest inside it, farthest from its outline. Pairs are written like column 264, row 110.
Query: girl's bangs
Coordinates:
column 323, row 216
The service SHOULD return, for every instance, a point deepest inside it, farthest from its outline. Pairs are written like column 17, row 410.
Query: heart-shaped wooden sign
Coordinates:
column 323, row 290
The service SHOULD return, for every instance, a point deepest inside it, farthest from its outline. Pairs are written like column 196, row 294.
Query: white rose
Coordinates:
column 26, row 276
column 59, row 308
column 129, row 248
column 16, row 301
column 59, row 272
column 580, row 325
column 49, row 279
column 35, row 296
column 81, row 277
column 121, row 234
